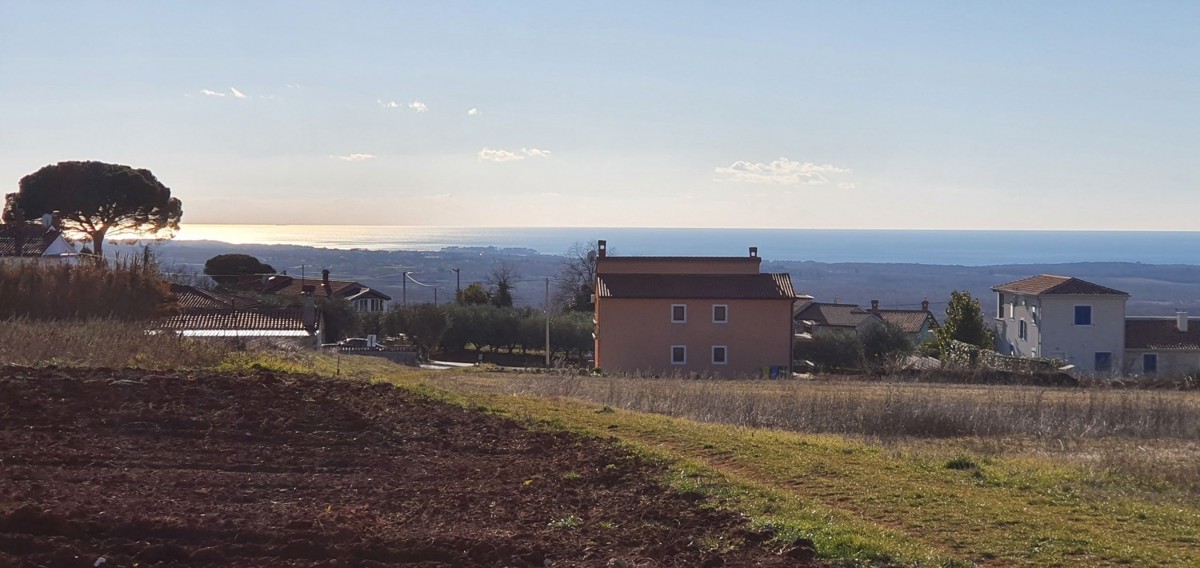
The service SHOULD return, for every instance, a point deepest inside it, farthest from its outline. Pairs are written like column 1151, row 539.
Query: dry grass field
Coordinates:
column 1153, row 435
column 906, row 474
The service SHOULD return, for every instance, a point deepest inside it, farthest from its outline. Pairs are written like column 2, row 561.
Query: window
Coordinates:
column 1012, row 310
column 1022, row 330
column 678, row 355
column 678, row 313
column 1103, row 361
column 720, row 355
column 1150, row 363
column 1083, row 315
column 720, row 313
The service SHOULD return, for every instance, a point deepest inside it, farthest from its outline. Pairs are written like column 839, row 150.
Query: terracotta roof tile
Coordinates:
column 697, row 286
column 834, row 315
column 25, row 239
column 910, row 321
column 1049, row 284
column 291, row 286
column 193, row 298
column 1161, row 333
column 244, row 320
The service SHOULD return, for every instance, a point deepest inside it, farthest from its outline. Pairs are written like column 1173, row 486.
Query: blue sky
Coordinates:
column 913, row 115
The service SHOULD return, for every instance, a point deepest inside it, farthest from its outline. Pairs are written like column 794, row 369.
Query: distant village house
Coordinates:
column 711, row 316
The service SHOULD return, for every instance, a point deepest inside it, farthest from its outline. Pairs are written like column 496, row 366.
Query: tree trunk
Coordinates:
column 98, row 241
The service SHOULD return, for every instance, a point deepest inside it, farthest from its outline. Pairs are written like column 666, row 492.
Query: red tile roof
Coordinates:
column 910, row 321
column 241, row 320
column 193, row 298
column 25, row 239
column 1049, row 284
column 291, row 286
column 696, row 286
column 833, row 315
column 750, row 259
column 1161, row 333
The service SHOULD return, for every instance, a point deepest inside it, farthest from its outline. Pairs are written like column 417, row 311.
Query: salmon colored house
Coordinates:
column 715, row 316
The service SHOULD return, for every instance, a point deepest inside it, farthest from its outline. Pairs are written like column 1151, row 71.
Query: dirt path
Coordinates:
column 269, row 470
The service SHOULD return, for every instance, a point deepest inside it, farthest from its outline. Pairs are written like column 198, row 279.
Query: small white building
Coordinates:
column 1060, row 317
column 33, row 242
column 1166, row 346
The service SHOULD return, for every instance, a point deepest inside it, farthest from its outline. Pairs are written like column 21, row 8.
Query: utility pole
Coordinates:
column 547, row 305
column 435, row 297
column 457, row 283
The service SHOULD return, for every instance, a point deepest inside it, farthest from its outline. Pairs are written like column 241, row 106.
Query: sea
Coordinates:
column 946, row 247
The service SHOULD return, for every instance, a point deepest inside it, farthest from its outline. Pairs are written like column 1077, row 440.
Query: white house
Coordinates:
column 1168, row 346
column 1060, row 317
column 33, row 242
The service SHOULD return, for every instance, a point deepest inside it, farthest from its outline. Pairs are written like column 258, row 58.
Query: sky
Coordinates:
column 857, row 115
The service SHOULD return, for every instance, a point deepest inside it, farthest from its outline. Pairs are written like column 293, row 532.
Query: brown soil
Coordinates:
column 146, row 468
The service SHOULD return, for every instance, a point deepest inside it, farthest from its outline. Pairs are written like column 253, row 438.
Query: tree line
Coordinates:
column 456, row 327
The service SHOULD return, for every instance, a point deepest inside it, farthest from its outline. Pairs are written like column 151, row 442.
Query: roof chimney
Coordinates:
column 753, row 252
column 325, row 283
column 602, row 248
column 1181, row 321
column 875, row 306
column 924, row 305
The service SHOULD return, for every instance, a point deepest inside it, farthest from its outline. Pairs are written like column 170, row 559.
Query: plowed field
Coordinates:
column 116, row 467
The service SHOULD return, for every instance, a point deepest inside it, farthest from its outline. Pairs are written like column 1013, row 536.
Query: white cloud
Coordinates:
column 389, row 104
column 294, row 86
column 236, row 93
column 780, row 172
column 355, row 157
column 418, row 106
column 473, row 112
column 490, row 155
column 211, row 93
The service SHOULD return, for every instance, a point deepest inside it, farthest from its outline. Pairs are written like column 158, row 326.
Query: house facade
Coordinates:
column 918, row 325
column 712, row 316
column 1167, row 346
column 1065, row 318
column 814, row 319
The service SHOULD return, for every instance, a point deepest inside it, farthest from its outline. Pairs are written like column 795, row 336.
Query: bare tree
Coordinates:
column 503, row 279
column 577, row 278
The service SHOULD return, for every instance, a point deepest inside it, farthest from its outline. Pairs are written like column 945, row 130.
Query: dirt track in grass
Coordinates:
column 271, row 469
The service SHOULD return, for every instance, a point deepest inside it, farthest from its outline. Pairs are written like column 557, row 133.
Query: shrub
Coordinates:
column 125, row 289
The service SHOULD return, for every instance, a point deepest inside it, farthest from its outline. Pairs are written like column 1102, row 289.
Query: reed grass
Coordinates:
column 102, row 343
column 1152, row 436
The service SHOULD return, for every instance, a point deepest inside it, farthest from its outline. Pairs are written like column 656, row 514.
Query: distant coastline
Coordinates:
column 971, row 248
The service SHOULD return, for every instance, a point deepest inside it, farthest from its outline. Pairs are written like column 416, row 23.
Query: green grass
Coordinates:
column 909, row 501
column 871, row 503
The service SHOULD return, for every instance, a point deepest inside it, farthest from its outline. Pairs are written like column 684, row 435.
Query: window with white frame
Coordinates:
column 720, row 313
column 678, row 354
column 720, row 355
column 678, row 313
